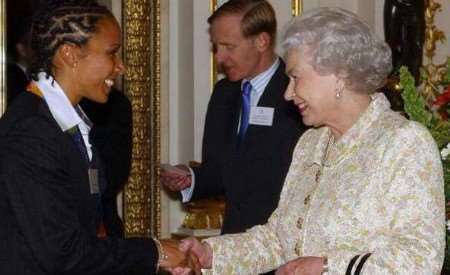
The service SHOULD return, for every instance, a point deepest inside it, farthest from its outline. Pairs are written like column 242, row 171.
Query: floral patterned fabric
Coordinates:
column 378, row 189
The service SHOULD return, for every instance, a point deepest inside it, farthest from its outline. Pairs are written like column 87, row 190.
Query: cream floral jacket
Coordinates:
column 373, row 201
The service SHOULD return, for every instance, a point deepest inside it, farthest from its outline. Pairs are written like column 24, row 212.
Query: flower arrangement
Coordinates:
column 434, row 113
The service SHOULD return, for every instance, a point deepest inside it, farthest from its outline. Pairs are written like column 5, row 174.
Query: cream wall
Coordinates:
column 187, row 87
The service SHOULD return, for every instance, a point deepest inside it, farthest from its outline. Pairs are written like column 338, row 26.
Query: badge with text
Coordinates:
column 261, row 116
column 93, row 181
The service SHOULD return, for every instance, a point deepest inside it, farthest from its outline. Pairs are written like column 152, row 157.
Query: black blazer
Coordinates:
column 251, row 177
column 48, row 215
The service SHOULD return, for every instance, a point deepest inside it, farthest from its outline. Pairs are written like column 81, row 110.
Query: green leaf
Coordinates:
column 414, row 104
column 417, row 109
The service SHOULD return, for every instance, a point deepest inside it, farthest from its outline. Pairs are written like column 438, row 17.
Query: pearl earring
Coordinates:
column 339, row 93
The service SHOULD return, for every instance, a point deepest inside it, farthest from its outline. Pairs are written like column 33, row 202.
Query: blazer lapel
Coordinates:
column 45, row 111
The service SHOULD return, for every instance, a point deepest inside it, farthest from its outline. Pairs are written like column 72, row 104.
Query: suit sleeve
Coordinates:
column 44, row 201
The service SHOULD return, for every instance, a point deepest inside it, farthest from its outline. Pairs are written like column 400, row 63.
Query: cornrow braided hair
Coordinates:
column 58, row 22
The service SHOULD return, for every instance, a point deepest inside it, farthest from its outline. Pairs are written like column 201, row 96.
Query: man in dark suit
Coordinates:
column 249, row 135
column 111, row 135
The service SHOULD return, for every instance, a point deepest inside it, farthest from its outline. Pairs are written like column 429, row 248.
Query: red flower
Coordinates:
column 441, row 101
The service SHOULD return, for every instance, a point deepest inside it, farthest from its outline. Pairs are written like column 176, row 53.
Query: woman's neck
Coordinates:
column 68, row 86
column 351, row 108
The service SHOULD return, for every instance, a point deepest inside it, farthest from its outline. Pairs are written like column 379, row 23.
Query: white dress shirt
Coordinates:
column 62, row 110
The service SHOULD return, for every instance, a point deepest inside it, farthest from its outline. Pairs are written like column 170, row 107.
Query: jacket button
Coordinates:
column 299, row 223
column 307, row 199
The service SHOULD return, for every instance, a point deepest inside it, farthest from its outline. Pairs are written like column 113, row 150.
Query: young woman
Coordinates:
column 51, row 182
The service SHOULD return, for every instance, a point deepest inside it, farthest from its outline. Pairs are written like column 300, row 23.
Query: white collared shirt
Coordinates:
column 61, row 109
column 259, row 83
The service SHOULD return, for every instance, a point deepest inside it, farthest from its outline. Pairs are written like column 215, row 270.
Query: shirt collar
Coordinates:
column 260, row 81
column 60, row 107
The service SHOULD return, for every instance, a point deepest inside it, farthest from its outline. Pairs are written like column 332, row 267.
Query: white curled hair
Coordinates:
column 338, row 42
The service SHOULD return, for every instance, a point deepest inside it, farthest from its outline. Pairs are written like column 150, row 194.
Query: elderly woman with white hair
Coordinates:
column 364, row 193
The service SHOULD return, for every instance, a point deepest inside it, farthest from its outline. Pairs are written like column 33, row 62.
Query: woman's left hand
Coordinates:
column 302, row 266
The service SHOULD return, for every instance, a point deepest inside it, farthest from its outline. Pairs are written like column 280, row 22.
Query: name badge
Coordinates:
column 94, row 186
column 261, row 116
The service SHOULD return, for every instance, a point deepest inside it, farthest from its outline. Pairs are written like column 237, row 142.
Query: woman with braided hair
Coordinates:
column 51, row 181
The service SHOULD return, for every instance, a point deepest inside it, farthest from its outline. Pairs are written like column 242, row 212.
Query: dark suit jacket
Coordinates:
column 112, row 137
column 49, row 217
column 250, row 178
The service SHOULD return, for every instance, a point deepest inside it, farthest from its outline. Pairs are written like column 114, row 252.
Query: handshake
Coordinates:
column 183, row 257
column 187, row 256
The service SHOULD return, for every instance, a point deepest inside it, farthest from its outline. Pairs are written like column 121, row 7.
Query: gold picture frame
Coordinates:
column 297, row 7
column 142, row 57
column 141, row 32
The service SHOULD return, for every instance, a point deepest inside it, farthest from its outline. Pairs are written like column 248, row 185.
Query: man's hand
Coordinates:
column 176, row 178
column 302, row 266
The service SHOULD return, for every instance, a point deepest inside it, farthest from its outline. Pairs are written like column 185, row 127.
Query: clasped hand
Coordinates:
column 198, row 255
column 187, row 257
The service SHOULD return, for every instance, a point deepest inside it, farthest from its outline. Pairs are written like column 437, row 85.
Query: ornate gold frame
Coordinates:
column 434, row 72
column 142, row 202
column 141, row 28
